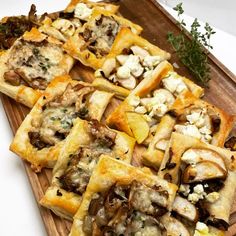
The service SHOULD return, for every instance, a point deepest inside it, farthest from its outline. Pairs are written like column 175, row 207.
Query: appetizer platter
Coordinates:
column 116, row 136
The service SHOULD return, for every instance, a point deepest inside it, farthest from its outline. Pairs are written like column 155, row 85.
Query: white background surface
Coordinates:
column 19, row 214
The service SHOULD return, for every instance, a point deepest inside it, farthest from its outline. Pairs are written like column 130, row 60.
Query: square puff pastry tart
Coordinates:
column 206, row 177
column 119, row 194
column 30, row 64
column 132, row 58
column 139, row 114
column 93, row 42
column 78, row 158
column 73, row 17
column 201, row 120
column 42, row 134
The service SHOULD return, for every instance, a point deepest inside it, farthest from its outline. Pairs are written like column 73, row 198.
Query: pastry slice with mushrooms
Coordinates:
column 206, row 176
column 132, row 58
column 92, row 43
column 76, row 14
column 84, row 145
column 30, row 64
column 123, row 200
column 150, row 101
column 45, row 129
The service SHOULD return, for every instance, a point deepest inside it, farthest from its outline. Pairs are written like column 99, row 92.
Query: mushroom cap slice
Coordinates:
column 185, row 208
column 204, row 170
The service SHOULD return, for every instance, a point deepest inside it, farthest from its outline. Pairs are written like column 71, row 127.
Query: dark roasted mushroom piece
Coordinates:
column 231, row 143
column 12, row 78
column 36, row 140
column 218, row 223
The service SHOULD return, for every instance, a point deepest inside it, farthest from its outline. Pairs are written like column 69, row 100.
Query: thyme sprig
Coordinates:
column 192, row 52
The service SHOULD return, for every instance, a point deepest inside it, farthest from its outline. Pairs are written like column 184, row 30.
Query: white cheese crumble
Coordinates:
column 184, row 189
column 212, row 197
column 140, row 109
column 198, row 193
column 123, row 72
column 173, row 84
column 133, row 63
column 201, row 229
column 82, row 11
column 151, row 61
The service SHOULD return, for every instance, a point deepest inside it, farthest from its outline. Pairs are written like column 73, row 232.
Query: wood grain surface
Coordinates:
column 156, row 23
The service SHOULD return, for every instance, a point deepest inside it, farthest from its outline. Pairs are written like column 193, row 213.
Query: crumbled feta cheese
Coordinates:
column 201, row 229
column 122, row 59
column 198, row 193
column 129, row 83
column 123, row 72
column 212, row 197
column 147, row 74
column 205, row 130
column 134, row 65
column 184, row 189
column 140, row 109
column 159, row 109
column 134, row 101
column 173, row 84
column 82, row 11
column 151, row 61
column 190, row 157
column 147, row 118
column 193, row 117
column 190, row 130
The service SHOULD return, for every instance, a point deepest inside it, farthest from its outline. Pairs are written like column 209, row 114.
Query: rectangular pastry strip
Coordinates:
column 79, row 156
column 42, row 134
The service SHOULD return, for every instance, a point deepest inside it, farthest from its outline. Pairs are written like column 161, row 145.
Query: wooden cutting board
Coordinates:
column 156, row 23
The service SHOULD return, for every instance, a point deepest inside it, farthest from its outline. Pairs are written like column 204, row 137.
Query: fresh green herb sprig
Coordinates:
column 192, row 52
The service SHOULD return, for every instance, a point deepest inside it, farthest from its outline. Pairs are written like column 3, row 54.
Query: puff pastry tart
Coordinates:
column 30, row 64
column 131, row 59
column 73, row 17
column 93, row 42
column 123, row 200
column 42, row 134
column 139, row 114
column 79, row 156
column 206, row 178
column 201, row 120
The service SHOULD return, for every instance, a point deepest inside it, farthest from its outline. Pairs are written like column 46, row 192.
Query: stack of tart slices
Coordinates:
column 88, row 132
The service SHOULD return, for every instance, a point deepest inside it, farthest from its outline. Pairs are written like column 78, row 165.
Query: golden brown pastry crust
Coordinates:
column 86, row 57
column 124, row 40
column 109, row 172
column 178, row 145
column 22, row 93
column 118, row 118
column 106, row 6
column 67, row 204
column 47, row 157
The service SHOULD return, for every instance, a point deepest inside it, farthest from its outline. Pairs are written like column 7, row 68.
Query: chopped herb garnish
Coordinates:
column 192, row 52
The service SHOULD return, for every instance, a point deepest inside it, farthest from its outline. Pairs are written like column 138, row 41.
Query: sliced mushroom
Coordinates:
column 138, row 51
column 174, row 227
column 185, row 208
column 129, row 83
column 122, row 59
column 204, row 170
column 108, row 66
column 65, row 26
column 204, row 155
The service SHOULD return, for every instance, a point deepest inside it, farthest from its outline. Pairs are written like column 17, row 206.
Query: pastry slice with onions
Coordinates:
column 65, row 23
column 123, row 200
column 201, row 120
column 30, row 64
column 92, row 43
column 42, row 134
column 151, row 100
column 131, row 59
column 206, row 177
column 80, row 155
